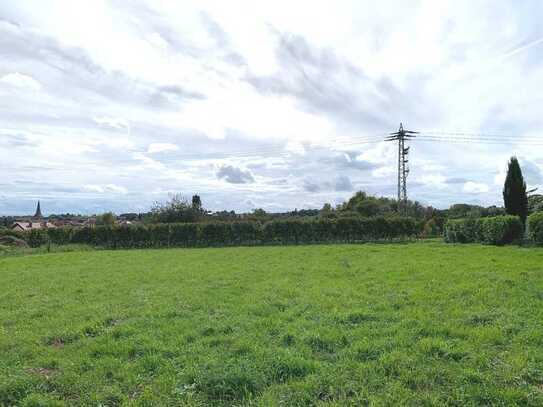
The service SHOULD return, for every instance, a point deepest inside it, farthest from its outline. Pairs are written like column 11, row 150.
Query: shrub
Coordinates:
column 60, row 236
column 106, row 219
column 9, row 232
column 177, row 209
column 246, row 232
column 500, row 230
column 535, row 227
column 215, row 234
column 37, row 237
column 496, row 230
column 431, row 228
column 184, row 234
column 462, row 230
column 9, row 240
column 84, row 235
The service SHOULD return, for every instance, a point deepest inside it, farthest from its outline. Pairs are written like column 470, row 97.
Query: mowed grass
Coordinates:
column 399, row 324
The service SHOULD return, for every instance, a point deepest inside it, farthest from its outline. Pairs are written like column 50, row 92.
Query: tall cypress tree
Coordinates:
column 196, row 203
column 514, row 191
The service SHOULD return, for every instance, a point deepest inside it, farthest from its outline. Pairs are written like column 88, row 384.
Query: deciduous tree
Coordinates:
column 106, row 219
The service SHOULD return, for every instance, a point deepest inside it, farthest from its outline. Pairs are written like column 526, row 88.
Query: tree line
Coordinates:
column 518, row 201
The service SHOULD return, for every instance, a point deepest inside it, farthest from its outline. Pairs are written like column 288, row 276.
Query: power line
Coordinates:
column 502, row 141
column 458, row 133
column 278, row 151
column 477, row 137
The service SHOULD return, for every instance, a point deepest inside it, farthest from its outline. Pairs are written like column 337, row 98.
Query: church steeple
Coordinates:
column 38, row 214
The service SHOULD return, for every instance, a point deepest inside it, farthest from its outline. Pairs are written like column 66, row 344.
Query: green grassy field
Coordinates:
column 413, row 324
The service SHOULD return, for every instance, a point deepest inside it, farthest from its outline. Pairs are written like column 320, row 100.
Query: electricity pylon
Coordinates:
column 403, row 163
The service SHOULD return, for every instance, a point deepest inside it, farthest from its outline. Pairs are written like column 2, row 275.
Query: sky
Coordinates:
column 113, row 105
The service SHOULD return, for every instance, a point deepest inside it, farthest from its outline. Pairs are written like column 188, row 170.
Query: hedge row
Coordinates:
column 497, row 230
column 232, row 234
column 535, row 227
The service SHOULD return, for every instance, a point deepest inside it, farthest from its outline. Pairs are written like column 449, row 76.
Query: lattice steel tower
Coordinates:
column 403, row 163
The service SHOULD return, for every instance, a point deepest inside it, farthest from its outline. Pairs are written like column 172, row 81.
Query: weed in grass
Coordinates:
column 364, row 352
column 228, row 382
column 480, row 320
column 288, row 340
column 42, row 400
column 58, row 341
column 357, row 318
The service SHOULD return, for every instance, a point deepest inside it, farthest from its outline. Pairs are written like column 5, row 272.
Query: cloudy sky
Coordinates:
column 112, row 105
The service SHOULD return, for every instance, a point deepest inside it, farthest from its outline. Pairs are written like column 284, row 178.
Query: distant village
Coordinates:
column 177, row 209
column 38, row 221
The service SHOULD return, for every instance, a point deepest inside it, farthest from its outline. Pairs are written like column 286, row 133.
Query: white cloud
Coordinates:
column 21, row 81
column 499, row 178
column 234, row 175
column 471, row 187
column 192, row 77
column 115, row 189
column 161, row 148
column 101, row 189
column 434, row 180
column 295, row 148
column 147, row 162
column 384, row 172
column 93, row 188
column 113, row 122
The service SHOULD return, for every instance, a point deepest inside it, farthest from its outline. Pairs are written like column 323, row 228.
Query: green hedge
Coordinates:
column 10, row 232
column 497, row 230
column 462, row 231
column 233, row 233
column 36, row 237
column 535, row 227
column 501, row 230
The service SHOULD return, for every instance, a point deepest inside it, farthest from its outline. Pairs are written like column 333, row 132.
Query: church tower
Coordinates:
column 38, row 214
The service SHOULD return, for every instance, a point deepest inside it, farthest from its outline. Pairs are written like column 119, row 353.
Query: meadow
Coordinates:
column 373, row 324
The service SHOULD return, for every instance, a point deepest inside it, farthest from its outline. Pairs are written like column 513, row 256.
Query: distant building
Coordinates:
column 90, row 222
column 38, row 214
column 36, row 222
column 25, row 226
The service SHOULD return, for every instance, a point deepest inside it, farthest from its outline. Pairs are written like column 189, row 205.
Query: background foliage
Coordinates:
column 497, row 230
column 535, row 226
